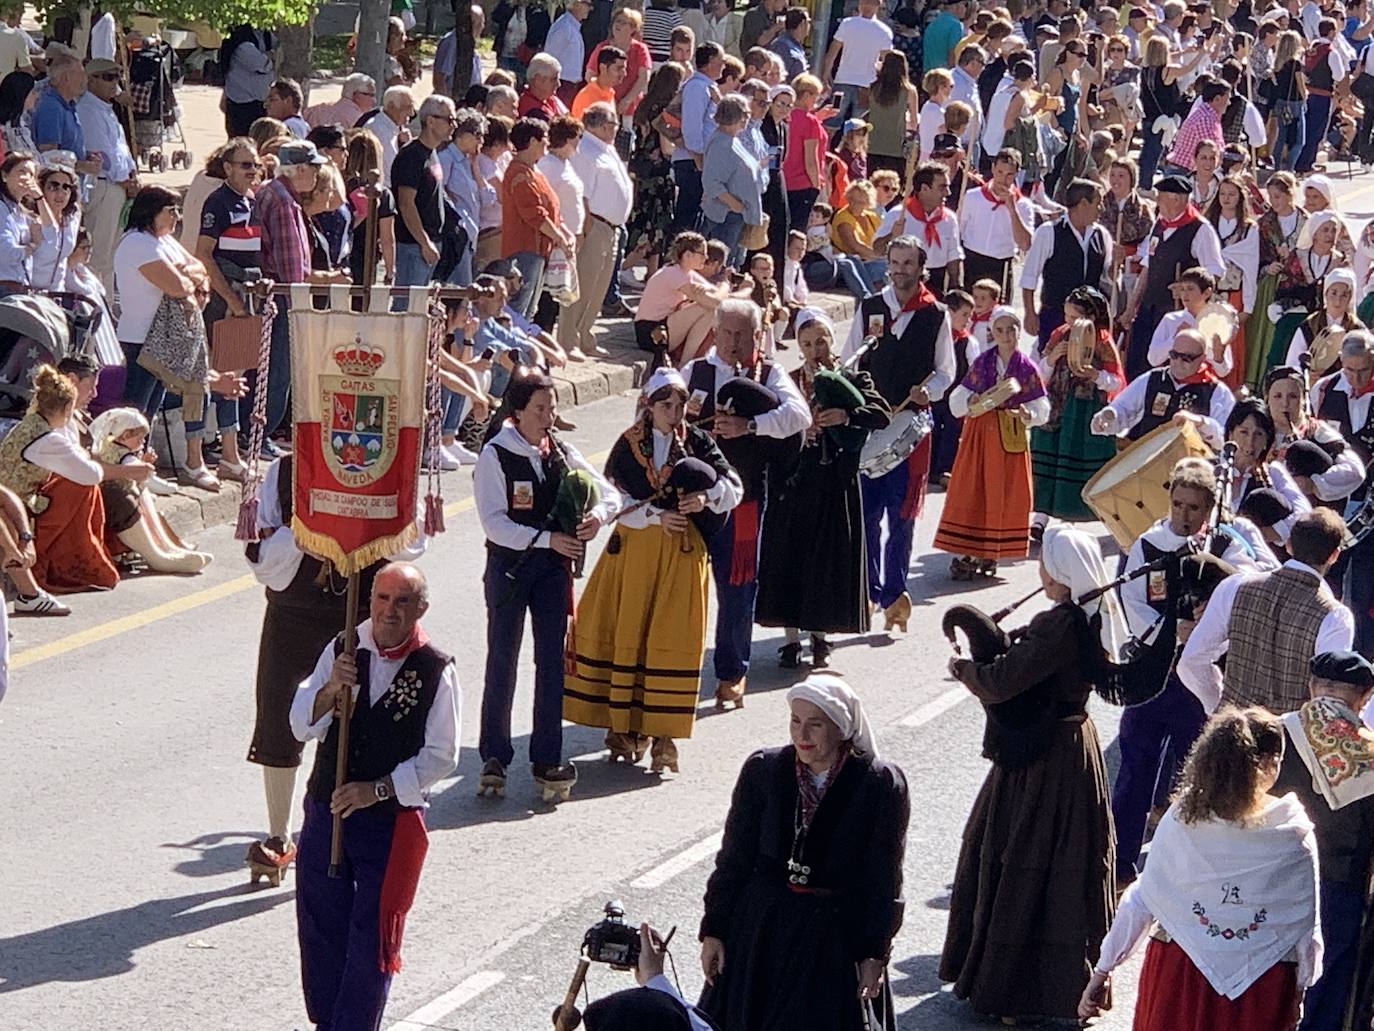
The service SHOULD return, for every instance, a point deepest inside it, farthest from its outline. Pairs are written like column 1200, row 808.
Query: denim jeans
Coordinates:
column 411, row 268
column 226, row 415
column 1288, row 142
column 455, row 407
column 142, row 390
column 727, row 232
column 613, row 295
column 1316, row 120
column 1151, row 150
column 854, row 274
column 876, row 271
column 687, row 208
column 531, row 266
column 278, row 384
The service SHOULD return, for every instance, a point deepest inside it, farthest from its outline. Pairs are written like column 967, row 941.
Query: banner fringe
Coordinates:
column 323, row 546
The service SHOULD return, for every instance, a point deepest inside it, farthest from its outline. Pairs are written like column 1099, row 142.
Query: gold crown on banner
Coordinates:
column 359, row 359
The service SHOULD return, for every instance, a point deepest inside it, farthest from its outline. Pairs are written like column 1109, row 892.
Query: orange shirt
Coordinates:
column 591, row 94
column 526, row 200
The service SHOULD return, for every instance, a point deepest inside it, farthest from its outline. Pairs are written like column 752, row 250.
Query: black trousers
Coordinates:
column 238, row 117
column 980, row 266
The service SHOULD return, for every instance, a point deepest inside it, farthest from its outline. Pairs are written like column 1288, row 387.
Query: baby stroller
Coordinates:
column 37, row 329
column 157, row 117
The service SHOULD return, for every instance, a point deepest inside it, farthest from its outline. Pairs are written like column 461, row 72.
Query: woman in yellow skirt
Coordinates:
column 987, row 511
column 635, row 647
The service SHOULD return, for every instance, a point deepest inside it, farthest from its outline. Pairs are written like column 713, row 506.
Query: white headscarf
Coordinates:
column 1003, row 311
column 115, row 422
column 1341, row 275
column 1072, row 558
column 1322, row 185
column 809, row 315
column 842, row 707
column 1319, row 219
column 666, row 376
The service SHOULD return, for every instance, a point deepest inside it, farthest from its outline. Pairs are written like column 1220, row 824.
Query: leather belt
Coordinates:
column 484, row 233
column 14, row 284
column 603, row 221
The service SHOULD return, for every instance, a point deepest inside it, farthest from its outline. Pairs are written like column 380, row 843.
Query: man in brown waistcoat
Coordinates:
column 1270, row 626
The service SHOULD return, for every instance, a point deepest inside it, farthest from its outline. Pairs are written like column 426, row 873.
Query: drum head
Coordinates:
column 1131, row 491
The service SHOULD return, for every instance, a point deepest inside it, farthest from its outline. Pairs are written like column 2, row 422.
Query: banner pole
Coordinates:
column 344, row 716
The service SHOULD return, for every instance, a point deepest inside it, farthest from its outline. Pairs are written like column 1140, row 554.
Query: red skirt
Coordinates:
column 988, row 502
column 1233, row 379
column 69, row 539
column 1174, row 996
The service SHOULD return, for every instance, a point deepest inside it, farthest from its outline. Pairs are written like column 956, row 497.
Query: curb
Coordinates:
column 192, row 510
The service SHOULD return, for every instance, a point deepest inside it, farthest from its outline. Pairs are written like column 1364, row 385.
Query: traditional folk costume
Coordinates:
column 938, row 232
column 1034, row 889
column 1151, row 400
column 1236, row 907
column 1238, row 284
column 635, row 646
column 1174, row 323
column 946, row 430
column 404, row 726
column 808, row 880
column 912, row 346
column 1129, row 220
column 1307, row 336
column 734, row 550
column 1329, row 766
column 1301, row 287
column 59, row 482
column 1065, row 453
column 1060, row 260
column 985, row 231
column 815, row 527
column 988, row 507
column 516, row 485
column 1276, row 231
column 307, row 608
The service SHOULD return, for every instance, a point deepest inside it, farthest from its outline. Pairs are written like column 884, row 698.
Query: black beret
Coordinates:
column 1265, row 507
column 1174, row 184
column 1343, row 667
column 1204, row 572
column 692, row 474
column 1306, row 458
column 746, row 398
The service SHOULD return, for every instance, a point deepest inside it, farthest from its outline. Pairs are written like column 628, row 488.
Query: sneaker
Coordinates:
column 160, row 487
column 630, row 281
column 460, row 454
column 41, row 604
column 198, row 477
column 447, row 462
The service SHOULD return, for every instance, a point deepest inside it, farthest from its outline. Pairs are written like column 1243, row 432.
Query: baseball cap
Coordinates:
column 100, row 65
column 945, row 142
column 855, row 124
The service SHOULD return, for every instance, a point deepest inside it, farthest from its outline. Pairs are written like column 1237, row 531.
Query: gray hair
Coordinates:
column 502, row 90
column 1358, row 343
column 358, row 82
column 435, row 104
column 543, row 64
column 598, row 115
column 908, row 242
column 731, row 109
column 412, row 572
column 394, row 95
column 470, row 120
column 740, row 308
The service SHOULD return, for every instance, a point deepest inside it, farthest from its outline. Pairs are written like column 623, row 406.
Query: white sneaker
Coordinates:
column 41, row 604
column 460, row 454
column 447, row 462
column 630, row 281
column 160, row 487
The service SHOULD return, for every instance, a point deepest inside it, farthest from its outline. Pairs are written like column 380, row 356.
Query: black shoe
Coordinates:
column 820, row 652
column 1037, row 534
column 789, row 656
column 617, row 310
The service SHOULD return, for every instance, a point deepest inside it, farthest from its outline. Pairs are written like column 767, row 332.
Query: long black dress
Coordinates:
column 790, row 954
column 814, row 533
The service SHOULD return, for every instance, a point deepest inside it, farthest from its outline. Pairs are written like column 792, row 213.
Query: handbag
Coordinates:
column 755, row 238
column 560, row 277
column 235, row 342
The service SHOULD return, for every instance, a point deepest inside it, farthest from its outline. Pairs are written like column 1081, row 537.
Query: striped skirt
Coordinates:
column 988, row 502
column 1065, row 458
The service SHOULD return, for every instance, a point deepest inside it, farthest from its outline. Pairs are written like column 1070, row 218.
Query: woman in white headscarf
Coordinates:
column 805, row 899
column 637, row 640
column 1035, row 884
column 1318, row 334
column 1302, row 278
column 814, row 525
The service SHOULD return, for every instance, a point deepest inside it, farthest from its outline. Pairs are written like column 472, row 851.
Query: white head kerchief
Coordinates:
column 1319, row 219
column 1341, row 275
column 115, row 422
column 665, row 376
column 1072, row 558
column 842, row 707
column 809, row 315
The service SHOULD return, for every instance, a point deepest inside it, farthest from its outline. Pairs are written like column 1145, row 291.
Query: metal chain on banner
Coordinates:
column 434, row 420
column 247, row 527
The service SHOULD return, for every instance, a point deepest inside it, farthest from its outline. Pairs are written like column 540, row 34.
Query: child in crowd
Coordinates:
column 944, row 441
column 937, row 85
column 987, row 294
column 763, row 287
column 822, row 267
column 854, row 148
column 795, row 292
column 717, row 268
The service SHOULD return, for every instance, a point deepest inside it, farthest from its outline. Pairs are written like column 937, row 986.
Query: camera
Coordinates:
column 612, row 940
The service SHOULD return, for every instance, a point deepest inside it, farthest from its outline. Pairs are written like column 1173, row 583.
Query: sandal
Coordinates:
column 198, row 476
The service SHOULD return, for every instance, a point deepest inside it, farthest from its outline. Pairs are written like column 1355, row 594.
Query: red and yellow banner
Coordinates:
column 358, row 393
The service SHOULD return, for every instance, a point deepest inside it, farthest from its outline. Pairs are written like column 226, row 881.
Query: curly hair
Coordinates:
column 1223, row 771
column 52, row 391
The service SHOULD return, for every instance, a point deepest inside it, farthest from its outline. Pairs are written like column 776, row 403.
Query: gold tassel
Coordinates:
column 323, row 546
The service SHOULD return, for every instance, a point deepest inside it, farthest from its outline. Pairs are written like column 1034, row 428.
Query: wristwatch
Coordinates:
column 25, row 537
column 753, row 426
column 383, row 792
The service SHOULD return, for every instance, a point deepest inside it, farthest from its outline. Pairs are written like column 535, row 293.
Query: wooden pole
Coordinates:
column 566, row 1017
column 370, row 235
column 344, row 715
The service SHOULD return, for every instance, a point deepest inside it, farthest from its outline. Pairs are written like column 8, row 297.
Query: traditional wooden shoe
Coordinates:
column 555, row 781
column 627, row 748
column 895, row 616
column 987, row 567
column 730, row 694
column 663, row 755
column 789, row 656
column 492, row 780
column 961, row 567
column 268, row 860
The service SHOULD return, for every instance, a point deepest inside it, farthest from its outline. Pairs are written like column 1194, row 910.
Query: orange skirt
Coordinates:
column 1174, row 996
column 69, row 539
column 988, row 502
column 1233, row 379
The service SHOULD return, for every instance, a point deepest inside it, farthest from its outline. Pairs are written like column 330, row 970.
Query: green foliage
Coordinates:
column 221, row 14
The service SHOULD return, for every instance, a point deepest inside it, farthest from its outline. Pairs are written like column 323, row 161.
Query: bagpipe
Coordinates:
column 687, row 476
column 577, row 494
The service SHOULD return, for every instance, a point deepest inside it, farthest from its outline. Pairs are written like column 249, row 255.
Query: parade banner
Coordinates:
column 358, row 394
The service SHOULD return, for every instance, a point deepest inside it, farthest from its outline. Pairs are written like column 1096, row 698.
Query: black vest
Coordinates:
column 1195, row 398
column 1064, row 269
column 1167, row 260
column 1319, row 68
column 529, row 500
column 899, row 363
column 1335, row 407
column 384, row 735
column 750, row 455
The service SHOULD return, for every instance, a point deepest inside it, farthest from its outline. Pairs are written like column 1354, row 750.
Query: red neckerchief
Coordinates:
column 1368, row 388
column 978, row 317
column 416, row 640
column 1203, row 375
column 1190, row 214
column 992, row 198
column 930, row 221
column 922, row 298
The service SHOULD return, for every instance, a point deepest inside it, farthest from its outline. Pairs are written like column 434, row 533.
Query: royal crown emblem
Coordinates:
column 362, row 423
column 358, row 358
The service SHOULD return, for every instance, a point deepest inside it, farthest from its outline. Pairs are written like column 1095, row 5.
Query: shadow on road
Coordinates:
column 213, row 854
column 103, row 946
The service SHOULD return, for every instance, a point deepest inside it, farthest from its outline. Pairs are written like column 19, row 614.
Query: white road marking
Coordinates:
column 459, row 995
column 935, row 707
column 683, row 861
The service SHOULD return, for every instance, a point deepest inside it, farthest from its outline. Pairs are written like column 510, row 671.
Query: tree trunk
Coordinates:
column 462, row 62
column 370, row 58
column 294, row 54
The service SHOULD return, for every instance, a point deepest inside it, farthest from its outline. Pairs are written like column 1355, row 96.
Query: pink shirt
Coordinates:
column 802, row 126
column 663, row 292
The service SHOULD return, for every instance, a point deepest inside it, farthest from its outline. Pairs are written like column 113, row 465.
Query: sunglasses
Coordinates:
column 246, row 165
column 107, row 76
column 53, row 184
column 1185, row 358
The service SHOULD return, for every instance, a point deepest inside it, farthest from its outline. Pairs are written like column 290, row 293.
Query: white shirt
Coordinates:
column 1129, row 407
column 14, row 50
column 985, row 229
column 103, row 38
column 564, row 43
column 138, row 297
column 862, row 40
column 489, row 490
column 1135, row 594
column 101, row 130
column 563, row 177
column 492, row 171
column 1282, row 483
column 1206, row 249
column 943, row 376
column 995, row 130
column 900, row 222
column 60, row 451
column 384, row 127
column 960, row 396
column 966, row 89
column 1347, row 471
column 930, row 125
column 727, row 492
column 605, row 182
column 1358, row 406
column 1311, row 15
column 791, row 416
column 1299, row 346
column 437, row 757
column 794, row 288
column 1042, row 246
column 1211, row 637
column 1170, row 326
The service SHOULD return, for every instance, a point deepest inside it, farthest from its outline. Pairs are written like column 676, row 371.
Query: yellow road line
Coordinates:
column 175, row 607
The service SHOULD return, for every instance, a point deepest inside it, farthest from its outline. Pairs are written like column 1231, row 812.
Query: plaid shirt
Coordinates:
column 285, row 242
column 1203, row 124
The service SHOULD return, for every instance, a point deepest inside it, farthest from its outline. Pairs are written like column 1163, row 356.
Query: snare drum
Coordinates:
column 889, row 447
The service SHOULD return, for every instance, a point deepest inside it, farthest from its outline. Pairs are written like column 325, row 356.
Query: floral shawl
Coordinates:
column 983, row 375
